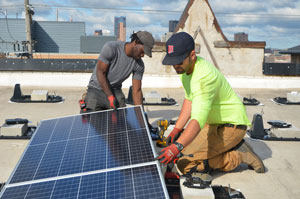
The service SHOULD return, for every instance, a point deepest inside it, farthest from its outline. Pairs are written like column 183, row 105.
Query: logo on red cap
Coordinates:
column 170, row 49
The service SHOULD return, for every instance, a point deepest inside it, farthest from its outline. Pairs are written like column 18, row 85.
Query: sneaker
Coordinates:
column 249, row 157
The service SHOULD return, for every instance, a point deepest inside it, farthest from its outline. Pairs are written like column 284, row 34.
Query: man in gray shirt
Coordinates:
column 117, row 61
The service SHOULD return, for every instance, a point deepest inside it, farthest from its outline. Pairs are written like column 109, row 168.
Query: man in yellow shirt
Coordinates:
column 214, row 117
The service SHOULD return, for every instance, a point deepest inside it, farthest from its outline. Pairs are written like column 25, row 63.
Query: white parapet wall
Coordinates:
column 57, row 79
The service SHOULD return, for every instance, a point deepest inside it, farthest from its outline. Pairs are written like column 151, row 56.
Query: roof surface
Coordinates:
column 282, row 179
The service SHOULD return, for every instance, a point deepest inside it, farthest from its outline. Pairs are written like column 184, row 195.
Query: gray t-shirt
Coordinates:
column 120, row 66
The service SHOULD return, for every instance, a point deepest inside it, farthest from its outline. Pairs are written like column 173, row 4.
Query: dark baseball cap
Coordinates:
column 148, row 41
column 178, row 47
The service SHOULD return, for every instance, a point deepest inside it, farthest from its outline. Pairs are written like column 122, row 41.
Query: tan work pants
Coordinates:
column 213, row 142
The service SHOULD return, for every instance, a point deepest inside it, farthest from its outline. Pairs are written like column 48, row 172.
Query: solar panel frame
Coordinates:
column 129, row 127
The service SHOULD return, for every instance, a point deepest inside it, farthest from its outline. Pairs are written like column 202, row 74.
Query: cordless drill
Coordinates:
column 163, row 126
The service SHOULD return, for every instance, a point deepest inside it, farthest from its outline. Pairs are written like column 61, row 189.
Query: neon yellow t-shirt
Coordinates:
column 213, row 99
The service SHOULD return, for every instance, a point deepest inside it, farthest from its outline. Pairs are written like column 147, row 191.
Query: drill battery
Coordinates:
column 82, row 105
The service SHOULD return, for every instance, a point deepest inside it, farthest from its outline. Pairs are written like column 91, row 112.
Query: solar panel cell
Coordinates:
column 134, row 119
column 15, row 192
column 120, row 184
column 80, row 127
column 116, row 121
column 140, row 148
column 29, row 164
column 93, row 186
column 45, row 130
column 118, row 150
column 66, row 188
column 51, row 160
column 96, row 147
column 73, row 157
column 147, row 183
column 98, row 124
column 40, row 190
column 62, row 129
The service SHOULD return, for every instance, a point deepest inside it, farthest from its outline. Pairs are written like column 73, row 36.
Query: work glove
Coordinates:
column 112, row 102
column 173, row 136
column 168, row 154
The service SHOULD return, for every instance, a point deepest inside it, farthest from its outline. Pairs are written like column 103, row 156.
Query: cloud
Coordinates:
column 11, row 8
column 234, row 6
column 103, row 4
column 269, row 20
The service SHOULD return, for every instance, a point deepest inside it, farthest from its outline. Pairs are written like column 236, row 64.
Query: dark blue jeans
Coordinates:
column 96, row 100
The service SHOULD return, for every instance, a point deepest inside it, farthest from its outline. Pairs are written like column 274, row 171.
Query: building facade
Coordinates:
column 241, row 36
column 120, row 28
column 94, row 44
column 294, row 52
column 233, row 58
column 45, row 36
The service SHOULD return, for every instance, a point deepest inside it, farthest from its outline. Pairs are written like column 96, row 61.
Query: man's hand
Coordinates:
column 173, row 136
column 112, row 102
column 168, row 154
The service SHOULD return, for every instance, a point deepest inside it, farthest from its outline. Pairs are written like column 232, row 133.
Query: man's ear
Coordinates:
column 193, row 54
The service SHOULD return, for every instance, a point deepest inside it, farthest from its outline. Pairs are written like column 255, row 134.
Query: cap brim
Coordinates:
column 148, row 51
column 169, row 60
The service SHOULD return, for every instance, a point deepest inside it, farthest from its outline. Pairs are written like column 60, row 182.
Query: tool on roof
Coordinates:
column 198, row 180
column 202, row 181
column 250, row 101
column 223, row 192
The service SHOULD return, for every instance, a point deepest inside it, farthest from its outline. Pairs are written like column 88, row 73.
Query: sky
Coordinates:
column 277, row 22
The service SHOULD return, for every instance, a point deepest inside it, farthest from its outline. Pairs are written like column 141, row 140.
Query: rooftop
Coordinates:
column 293, row 50
column 280, row 157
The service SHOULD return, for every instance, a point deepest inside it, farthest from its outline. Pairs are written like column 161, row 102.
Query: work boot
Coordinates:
column 249, row 157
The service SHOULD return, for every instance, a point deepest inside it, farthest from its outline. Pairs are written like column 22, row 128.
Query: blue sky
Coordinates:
column 273, row 21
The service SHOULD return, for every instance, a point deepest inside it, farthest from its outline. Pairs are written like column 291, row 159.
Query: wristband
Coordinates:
column 179, row 146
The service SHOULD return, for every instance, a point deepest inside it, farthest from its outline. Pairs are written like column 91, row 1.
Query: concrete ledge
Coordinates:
column 62, row 79
column 264, row 82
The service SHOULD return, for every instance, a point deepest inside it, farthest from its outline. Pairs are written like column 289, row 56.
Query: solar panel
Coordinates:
column 106, row 154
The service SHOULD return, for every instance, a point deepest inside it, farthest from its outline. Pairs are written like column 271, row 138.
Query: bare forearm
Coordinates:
column 185, row 114
column 189, row 133
column 137, row 97
column 104, row 83
column 137, row 94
